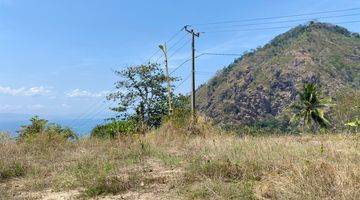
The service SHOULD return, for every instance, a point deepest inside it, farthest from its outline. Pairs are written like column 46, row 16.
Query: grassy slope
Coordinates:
column 169, row 165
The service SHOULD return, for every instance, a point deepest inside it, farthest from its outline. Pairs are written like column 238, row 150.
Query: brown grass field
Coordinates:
column 167, row 164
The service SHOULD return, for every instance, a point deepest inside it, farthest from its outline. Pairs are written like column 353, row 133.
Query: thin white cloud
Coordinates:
column 7, row 108
column 64, row 105
column 23, row 91
column 36, row 107
column 37, row 91
column 10, row 108
column 78, row 93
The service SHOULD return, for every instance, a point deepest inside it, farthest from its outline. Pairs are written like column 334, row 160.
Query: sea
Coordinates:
column 83, row 127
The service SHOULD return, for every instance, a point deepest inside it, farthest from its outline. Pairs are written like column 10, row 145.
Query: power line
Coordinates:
column 172, row 46
column 277, row 17
column 156, row 52
column 92, row 108
column 183, row 63
column 176, row 68
column 174, row 36
column 182, row 82
column 178, row 49
column 94, row 114
column 294, row 20
column 204, row 72
column 270, row 28
column 222, row 54
column 176, row 43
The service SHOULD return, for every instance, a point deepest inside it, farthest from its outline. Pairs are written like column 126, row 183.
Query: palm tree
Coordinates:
column 310, row 108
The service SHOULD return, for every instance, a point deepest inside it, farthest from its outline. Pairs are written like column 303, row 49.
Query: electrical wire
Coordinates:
column 276, row 17
column 181, row 47
column 182, row 82
column 172, row 46
column 176, row 43
column 270, row 28
column 222, row 54
column 183, row 63
column 286, row 21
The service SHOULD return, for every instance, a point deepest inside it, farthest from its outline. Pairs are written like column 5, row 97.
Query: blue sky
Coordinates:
column 57, row 57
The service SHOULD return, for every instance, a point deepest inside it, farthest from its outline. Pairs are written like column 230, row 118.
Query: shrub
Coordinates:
column 180, row 118
column 114, row 129
column 55, row 129
column 42, row 127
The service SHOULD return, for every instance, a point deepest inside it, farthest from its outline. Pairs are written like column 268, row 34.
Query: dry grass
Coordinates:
column 165, row 164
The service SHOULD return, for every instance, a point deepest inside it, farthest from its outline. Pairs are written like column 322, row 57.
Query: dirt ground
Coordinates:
column 157, row 187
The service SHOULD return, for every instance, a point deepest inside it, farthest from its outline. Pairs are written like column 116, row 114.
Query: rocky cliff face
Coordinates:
column 263, row 84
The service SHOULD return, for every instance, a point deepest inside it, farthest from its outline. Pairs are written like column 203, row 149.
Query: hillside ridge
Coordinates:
column 262, row 84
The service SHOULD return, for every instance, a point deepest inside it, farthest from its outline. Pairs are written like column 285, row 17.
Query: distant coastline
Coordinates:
column 82, row 126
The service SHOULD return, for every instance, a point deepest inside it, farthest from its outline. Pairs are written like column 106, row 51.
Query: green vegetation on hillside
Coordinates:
column 263, row 84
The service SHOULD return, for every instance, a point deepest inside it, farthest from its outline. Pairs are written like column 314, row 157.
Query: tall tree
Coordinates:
column 310, row 108
column 141, row 94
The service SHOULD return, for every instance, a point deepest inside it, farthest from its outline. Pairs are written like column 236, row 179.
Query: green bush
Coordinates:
column 114, row 129
column 42, row 127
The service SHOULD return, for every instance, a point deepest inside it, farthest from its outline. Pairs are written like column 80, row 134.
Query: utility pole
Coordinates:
column 193, row 105
column 164, row 50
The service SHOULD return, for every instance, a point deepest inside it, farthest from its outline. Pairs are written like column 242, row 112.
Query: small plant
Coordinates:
column 13, row 169
column 354, row 124
column 311, row 108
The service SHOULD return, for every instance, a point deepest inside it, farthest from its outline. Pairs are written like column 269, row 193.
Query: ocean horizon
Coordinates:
column 82, row 127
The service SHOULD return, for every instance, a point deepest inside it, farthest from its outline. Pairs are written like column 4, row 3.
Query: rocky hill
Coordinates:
column 262, row 84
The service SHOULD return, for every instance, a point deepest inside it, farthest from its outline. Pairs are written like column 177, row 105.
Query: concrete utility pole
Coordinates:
column 164, row 50
column 193, row 103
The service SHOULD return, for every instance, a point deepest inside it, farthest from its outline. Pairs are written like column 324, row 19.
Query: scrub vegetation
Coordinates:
column 280, row 140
